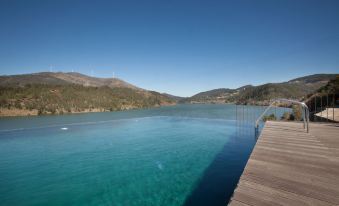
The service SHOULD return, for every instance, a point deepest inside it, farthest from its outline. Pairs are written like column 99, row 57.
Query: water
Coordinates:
column 179, row 155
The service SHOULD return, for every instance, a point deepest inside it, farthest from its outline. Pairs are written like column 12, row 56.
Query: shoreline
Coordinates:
column 4, row 112
column 34, row 112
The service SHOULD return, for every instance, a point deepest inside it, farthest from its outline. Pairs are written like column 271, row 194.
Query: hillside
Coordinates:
column 313, row 78
column 59, row 93
column 61, row 78
column 294, row 89
column 213, row 96
column 173, row 97
column 326, row 96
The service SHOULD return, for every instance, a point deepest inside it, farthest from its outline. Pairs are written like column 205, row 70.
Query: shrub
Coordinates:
column 269, row 117
column 297, row 113
column 40, row 111
column 286, row 116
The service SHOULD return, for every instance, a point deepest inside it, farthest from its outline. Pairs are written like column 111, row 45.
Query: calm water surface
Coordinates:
column 180, row 155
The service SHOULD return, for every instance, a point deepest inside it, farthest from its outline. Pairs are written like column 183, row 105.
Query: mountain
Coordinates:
column 297, row 88
column 313, row 78
column 332, row 87
column 325, row 96
column 59, row 93
column 61, row 78
column 221, row 95
column 212, row 96
column 173, row 97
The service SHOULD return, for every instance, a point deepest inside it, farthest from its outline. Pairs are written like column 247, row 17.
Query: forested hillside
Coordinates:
column 60, row 93
column 297, row 89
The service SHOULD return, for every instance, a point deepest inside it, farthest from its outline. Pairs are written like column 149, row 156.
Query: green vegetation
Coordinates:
column 324, row 96
column 297, row 112
column 59, row 93
column 331, row 87
column 297, row 89
column 59, row 99
column 295, row 115
column 286, row 116
column 269, row 117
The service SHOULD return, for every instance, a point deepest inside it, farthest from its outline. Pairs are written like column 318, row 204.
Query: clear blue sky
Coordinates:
column 179, row 47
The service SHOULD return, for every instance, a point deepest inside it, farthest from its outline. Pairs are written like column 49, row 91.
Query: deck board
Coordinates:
column 291, row 167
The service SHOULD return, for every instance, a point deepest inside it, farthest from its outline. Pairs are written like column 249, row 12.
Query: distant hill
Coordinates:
column 294, row 89
column 59, row 93
column 313, row 78
column 325, row 96
column 332, row 87
column 212, row 96
column 173, row 97
column 61, row 78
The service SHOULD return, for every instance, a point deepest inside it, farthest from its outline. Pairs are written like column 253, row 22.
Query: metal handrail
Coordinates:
column 306, row 112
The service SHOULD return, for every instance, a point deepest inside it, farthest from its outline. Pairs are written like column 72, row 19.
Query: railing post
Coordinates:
column 308, row 119
column 327, row 108
column 321, row 107
column 275, row 111
column 315, row 107
column 333, row 106
column 304, row 116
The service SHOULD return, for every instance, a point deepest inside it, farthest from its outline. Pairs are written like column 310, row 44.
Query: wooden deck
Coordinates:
column 331, row 114
column 291, row 167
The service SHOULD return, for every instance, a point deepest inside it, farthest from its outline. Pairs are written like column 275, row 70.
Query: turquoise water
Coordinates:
column 181, row 155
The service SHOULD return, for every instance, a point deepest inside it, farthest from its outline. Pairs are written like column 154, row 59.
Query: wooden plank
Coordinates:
column 291, row 167
column 237, row 203
column 294, row 187
column 297, row 199
column 296, row 177
column 302, row 172
column 310, row 165
column 271, row 197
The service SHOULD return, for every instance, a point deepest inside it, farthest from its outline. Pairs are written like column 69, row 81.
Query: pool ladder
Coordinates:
column 305, row 112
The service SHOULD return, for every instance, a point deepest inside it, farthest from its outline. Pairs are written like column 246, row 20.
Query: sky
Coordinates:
column 178, row 47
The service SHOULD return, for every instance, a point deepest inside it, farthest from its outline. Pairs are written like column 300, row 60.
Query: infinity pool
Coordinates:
column 181, row 155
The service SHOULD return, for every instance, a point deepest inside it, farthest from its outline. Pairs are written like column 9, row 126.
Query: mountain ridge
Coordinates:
column 61, row 78
column 59, row 93
column 297, row 88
